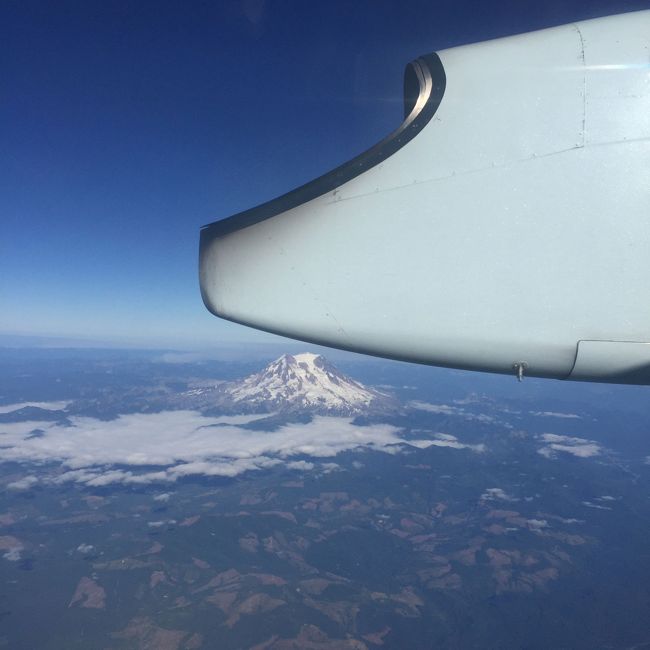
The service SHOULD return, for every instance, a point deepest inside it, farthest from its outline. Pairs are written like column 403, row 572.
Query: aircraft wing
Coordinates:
column 503, row 227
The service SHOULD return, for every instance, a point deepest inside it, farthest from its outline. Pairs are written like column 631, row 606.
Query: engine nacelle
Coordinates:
column 504, row 227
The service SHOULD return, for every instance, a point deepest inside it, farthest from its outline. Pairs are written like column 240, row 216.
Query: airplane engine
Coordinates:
column 503, row 227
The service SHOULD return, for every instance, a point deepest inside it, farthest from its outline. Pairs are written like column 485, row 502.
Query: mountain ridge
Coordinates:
column 304, row 382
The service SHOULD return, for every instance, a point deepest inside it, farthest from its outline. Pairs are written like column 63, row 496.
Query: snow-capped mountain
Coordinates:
column 304, row 382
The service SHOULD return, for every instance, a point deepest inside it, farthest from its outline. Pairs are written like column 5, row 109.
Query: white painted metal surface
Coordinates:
column 513, row 226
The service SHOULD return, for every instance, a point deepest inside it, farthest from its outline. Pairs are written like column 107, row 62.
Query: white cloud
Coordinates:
column 159, row 524
column 300, row 464
column 21, row 428
column 228, row 468
column 13, row 554
column 580, row 447
column 442, row 409
column 554, row 414
column 23, row 483
column 582, row 451
column 496, row 494
column 447, row 409
column 85, row 548
column 589, row 504
column 554, row 437
column 50, row 406
column 330, row 467
column 181, row 443
column 445, row 440
column 164, row 497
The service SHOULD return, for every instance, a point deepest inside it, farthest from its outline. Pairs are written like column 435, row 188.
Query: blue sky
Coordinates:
column 125, row 126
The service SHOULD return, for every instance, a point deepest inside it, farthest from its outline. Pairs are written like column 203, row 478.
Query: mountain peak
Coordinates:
column 306, row 357
column 305, row 381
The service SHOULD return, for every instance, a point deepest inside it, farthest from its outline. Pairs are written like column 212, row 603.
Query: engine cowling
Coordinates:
column 503, row 227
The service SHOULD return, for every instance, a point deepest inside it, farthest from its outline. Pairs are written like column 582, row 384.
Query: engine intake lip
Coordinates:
column 424, row 87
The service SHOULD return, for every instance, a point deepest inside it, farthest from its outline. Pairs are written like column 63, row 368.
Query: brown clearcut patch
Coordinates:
column 408, row 603
column 265, row 644
column 89, row 594
column 343, row 613
column 181, row 601
column 7, row 542
column 249, row 542
column 377, row 638
column 451, row 581
column 502, row 514
column 190, row 521
column 422, row 539
column 201, row 564
column 269, row 579
column 495, row 529
column 412, row 527
column 467, row 556
column 148, row 636
column 223, row 600
column 567, row 538
column 156, row 578
column 254, row 604
column 283, row 515
column 156, row 547
column 439, row 509
column 231, row 577
column 315, row 586
column 312, row 638
column 355, row 506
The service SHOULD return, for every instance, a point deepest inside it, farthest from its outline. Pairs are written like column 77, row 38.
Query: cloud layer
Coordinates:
column 141, row 448
column 50, row 406
column 580, row 447
column 446, row 440
column 448, row 409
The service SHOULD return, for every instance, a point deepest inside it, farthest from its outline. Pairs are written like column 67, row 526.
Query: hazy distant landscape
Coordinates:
column 139, row 509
